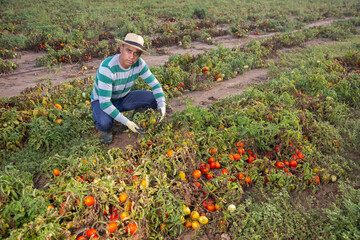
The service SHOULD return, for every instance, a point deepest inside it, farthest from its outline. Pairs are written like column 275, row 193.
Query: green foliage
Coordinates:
column 344, row 215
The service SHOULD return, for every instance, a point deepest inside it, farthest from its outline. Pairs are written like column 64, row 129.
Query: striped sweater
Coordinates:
column 112, row 82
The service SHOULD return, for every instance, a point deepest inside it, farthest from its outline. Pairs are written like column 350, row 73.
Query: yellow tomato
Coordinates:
column 194, row 215
column 195, row 225
column 182, row 176
column 203, row 220
column 186, row 210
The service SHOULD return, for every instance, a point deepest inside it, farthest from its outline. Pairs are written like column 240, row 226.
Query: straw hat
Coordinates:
column 133, row 40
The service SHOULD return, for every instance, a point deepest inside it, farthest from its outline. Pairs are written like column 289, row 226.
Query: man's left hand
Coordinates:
column 162, row 111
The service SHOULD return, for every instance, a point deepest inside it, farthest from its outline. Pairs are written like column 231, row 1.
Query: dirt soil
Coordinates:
column 28, row 75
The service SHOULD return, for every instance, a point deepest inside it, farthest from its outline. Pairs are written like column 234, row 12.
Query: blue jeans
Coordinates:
column 134, row 99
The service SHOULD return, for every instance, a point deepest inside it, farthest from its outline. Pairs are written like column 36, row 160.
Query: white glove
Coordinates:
column 134, row 127
column 162, row 111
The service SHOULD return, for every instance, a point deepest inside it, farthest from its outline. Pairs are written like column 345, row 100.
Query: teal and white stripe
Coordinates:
column 112, row 81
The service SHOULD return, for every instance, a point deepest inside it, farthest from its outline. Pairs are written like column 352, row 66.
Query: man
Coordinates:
column 114, row 79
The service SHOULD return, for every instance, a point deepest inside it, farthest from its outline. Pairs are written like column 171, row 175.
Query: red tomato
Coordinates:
column 210, row 207
column 236, row 156
column 204, row 168
column 239, row 144
column 225, row 171
column 209, row 175
column 212, row 165
column 211, row 160
column 91, row 232
column 241, row 151
column 248, row 180
column 279, row 164
column 277, row 148
column 241, row 176
column 251, row 159
column 132, row 227
column 293, row 163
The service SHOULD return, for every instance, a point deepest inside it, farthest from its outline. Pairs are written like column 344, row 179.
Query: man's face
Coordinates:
column 128, row 55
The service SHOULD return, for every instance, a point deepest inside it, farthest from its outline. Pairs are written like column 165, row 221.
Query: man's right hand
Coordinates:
column 134, row 127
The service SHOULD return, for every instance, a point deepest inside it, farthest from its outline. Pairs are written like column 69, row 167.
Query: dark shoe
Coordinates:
column 106, row 137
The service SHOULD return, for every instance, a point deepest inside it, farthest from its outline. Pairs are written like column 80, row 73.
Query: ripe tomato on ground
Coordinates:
column 197, row 174
column 56, row 172
column 236, row 156
column 124, row 215
column 211, row 160
column 210, row 207
column 217, row 164
column 91, row 232
column 112, row 227
column 225, row 171
column 279, row 164
column 194, row 215
column 131, row 228
column 239, row 144
column 293, row 163
column 212, row 151
column 123, row 197
column 195, row 225
column 89, row 201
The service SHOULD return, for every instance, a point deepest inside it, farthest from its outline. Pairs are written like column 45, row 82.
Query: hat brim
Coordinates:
column 129, row 44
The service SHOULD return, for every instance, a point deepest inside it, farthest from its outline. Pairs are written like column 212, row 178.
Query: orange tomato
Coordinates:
column 56, row 172
column 81, row 238
column 225, row 171
column 217, row 164
column 169, row 153
column 131, row 228
column 197, row 174
column 50, row 207
column 89, row 201
column 112, row 226
column 58, row 121
column 188, row 223
column 123, row 197
column 128, row 205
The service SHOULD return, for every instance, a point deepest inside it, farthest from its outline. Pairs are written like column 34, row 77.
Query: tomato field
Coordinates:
column 278, row 161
